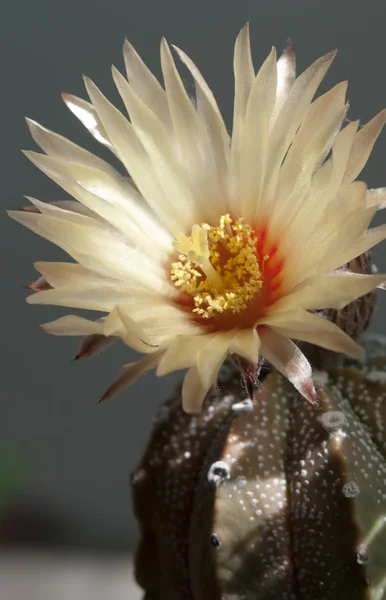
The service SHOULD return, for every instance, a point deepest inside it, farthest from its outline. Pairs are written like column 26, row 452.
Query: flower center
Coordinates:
column 219, row 267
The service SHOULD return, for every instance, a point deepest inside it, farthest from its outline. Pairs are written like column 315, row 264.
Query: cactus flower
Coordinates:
column 216, row 243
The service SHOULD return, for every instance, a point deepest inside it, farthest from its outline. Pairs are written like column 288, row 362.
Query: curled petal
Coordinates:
column 286, row 357
column 40, row 285
column 130, row 374
column 87, row 115
column 91, row 345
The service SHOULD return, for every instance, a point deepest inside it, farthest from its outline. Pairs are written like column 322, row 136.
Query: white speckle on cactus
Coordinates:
column 376, row 376
column 351, row 490
column 243, row 407
column 333, row 420
column 320, row 378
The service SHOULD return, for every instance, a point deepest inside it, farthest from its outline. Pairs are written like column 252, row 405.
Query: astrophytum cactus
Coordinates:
column 272, row 499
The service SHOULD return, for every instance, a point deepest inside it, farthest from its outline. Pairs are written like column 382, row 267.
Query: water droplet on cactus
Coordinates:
column 350, row 489
column 332, row 420
column 362, row 556
column 218, row 472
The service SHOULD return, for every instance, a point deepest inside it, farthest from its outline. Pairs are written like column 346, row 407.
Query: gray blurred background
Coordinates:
column 65, row 461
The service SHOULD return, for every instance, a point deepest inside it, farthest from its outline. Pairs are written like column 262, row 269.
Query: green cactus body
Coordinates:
column 272, row 500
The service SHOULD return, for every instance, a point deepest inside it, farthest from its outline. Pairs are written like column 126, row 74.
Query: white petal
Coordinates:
column 255, row 137
column 199, row 379
column 87, row 115
column 306, row 327
column 244, row 76
column 117, row 207
column 211, row 116
column 292, row 114
column 193, row 392
column 61, row 274
column 73, row 325
column 96, row 250
column 146, row 85
column 363, row 145
column 286, row 357
column 286, row 75
column 182, row 353
column 370, row 238
column 246, row 343
column 162, row 153
column 132, row 154
column 60, row 147
column 196, row 151
column 309, row 148
column 330, row 290
column 120, row 323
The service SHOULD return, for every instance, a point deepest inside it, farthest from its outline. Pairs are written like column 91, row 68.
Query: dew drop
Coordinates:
column 350, row 489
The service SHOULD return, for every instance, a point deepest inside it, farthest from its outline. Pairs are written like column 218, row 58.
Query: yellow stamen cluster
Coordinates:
column 218, row 266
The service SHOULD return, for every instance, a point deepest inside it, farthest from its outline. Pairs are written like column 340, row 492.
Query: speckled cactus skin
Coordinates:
column 276, row 500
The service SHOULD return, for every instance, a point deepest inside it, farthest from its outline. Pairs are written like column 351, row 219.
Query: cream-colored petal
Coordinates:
column 286, row 75
column 97, row 250
column 59, row 212
column 255, row 137
column 87, row 115
column 133, row 155
column 363, row 145
column 210, row 114
column 121, row 324
column 62, row 274
column 196, row 150
column 212, row 355
column 130, row 373
column 60, row 147
column 102, row 299
column 68, row 205
column 286, row 357
column 73, row 325
column 306, row 327
column 368, row 240
column 293, row 112
column 330, row 290
column 246, row 343
column 161, row 150
column 200, row 378
column 244, row 74
column 193, row 392
column 146, row 85
column 119, row 206
column 182, row 353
